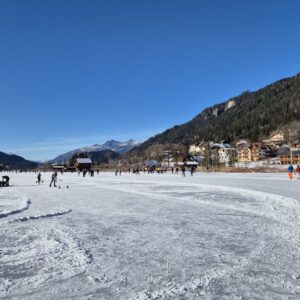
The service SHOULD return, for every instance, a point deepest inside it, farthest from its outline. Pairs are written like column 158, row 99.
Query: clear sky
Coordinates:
column 79, row 72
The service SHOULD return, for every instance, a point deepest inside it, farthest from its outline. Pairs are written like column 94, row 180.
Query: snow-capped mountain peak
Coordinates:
column 116, row 146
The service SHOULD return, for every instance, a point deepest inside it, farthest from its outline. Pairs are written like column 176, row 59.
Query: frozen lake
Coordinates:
column 211, row 236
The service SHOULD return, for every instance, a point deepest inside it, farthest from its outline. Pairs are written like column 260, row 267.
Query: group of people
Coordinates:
column 151, row 170
column 85, row 171
column 291, row 170
column 136, row 171
column 53, row 178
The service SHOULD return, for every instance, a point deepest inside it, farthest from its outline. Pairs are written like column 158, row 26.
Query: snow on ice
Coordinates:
column 210, row 236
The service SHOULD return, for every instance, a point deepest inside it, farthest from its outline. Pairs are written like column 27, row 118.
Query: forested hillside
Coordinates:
column 252, row 115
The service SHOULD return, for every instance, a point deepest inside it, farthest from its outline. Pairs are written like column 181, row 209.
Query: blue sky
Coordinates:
column 75, row 73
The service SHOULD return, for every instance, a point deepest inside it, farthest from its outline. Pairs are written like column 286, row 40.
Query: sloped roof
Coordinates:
column 84, row 161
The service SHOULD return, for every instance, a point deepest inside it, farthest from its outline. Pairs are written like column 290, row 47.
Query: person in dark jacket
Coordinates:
column 39, row 178
column 53, row 179
column 183, row 171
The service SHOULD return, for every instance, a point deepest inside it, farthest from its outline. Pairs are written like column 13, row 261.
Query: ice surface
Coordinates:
column 210, row 236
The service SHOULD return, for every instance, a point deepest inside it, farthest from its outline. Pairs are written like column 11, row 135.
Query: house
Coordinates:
column 83, row 163
column 286, row 157
column 226, row 154
column 198, row 149
column 58, row 168
column 260, row 151
column 276, row 139
column 244, row 151
column 168, row 163
column 295, row 146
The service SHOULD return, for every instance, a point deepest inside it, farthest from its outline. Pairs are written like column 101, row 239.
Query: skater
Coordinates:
column 290, row 171
column 298, row 172
column 192, row 170
column 120, row 172
column 53, row 179
column 116, row 172
column 183, row 171
column 39, row 178
column 84, row 172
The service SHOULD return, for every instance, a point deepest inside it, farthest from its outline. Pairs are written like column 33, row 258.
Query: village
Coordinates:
column 272, row 153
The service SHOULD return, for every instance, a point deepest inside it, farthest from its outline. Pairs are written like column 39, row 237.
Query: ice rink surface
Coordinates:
column 210, row 236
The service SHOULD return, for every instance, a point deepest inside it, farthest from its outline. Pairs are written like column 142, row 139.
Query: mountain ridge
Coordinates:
column 16, row 161
column 252, row 115
column 113, row 145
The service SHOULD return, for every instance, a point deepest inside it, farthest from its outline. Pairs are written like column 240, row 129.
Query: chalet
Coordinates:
column 83, row 163
column 275, row 140
column 286, row 156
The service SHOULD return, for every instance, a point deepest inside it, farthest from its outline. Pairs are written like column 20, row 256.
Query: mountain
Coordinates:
column 251, row 115
column 115, row 146
column 102, row 156
column 14, row 161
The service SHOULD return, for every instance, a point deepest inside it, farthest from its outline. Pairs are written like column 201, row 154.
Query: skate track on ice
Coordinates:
column 211, row 236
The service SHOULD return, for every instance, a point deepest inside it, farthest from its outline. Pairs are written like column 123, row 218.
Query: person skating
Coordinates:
column 39, row 178
column 53, row 179
column 183, row 171
column 298, row 171
column 290, row 171
column 192, row 170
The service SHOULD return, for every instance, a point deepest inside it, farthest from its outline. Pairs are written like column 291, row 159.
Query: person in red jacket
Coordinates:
column 298, row 171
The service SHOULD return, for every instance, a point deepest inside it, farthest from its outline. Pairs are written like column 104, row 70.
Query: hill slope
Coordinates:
column 102, row 156
column 252, row 115
column 15, row 161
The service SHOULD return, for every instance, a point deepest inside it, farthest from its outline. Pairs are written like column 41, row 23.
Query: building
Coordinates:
column 260, row 151
column 295, row 146
column 285, row 156
column 168, row 163
column 83, row 163
column 58, row 168
column 244, row 151
column 226, row 155
column 198, row 149
column 275, row 140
